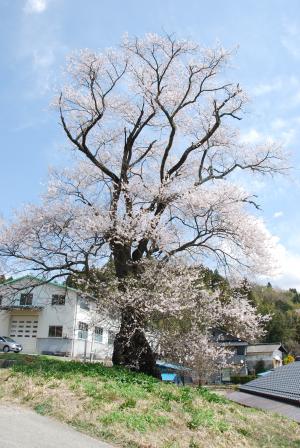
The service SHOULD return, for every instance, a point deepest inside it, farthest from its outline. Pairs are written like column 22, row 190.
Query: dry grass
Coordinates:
column 135, row 411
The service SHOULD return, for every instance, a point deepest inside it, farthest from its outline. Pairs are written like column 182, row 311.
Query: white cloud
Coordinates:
column 35, row 6
column 277, row 214
column 288, row 273
column 252, row 136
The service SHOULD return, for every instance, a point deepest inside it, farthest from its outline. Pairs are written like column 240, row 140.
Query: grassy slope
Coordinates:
column 136, row 411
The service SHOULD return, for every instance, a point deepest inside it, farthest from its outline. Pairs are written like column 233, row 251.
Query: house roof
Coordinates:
column 224, row 338
column 31, row 278
column 282, row 384
column 265, row 348
column 172, row 366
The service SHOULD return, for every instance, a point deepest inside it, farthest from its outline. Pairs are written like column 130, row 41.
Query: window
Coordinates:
column 98, row 334
column 84, row 304
column 111, row 337
column 58, row 299
column 83, row 330
column 26, row 299
column 240, row 350
column 55, row 331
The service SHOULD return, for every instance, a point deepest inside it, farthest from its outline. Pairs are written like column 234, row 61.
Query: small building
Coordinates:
column 266, row 356
column 236, row 359
column 51, row 318
column 175, row 373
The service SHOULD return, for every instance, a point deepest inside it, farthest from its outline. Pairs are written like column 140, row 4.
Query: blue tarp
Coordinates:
column 168, row 377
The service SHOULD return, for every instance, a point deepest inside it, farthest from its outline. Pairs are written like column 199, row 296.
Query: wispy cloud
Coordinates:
column 278, row 124
column 278, row 214
column 35, row 6
column 268, row 87
column 40, row 48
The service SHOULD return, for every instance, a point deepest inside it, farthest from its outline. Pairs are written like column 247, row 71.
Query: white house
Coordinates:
column 52, row 318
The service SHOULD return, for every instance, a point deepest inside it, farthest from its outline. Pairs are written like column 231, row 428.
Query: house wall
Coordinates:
column 94, row 318
column 4, row 323
column 48, row 315
column 55, row 315
column 55, row 345
column 68, row 316
column 266, row 358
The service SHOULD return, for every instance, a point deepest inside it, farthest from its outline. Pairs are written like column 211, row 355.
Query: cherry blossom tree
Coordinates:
column 155, row 155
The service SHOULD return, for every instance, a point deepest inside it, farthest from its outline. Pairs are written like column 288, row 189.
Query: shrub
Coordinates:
column 237, row 379
column 288, row 359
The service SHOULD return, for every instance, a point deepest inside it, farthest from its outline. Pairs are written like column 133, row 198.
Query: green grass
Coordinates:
column 136, row 411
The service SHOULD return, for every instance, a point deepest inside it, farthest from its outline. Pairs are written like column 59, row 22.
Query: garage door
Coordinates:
column 23, row 330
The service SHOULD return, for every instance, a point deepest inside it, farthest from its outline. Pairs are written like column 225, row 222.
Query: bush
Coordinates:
column 260, row 366
column 288, row 359
column 238, row 379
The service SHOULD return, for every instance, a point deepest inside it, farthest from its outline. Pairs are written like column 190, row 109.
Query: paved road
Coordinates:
column 255, row 401
column 22, row 428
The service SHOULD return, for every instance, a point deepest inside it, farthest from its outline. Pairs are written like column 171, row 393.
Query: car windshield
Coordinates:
column 8, row 339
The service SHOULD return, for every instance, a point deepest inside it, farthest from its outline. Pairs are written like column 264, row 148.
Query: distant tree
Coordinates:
column 295, row 295
column 4, row 279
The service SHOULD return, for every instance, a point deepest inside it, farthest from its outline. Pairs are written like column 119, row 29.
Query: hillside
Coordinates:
column 284, row 307
column 136, row 411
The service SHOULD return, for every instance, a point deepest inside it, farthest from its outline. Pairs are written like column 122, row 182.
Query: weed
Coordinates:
column 43, row 408
column 164, row 406
column 130, row 403
column 138, row 421
column 203, row 417
column 211, row 397
column 245, row 432
column 167, row 395
column 193, row 444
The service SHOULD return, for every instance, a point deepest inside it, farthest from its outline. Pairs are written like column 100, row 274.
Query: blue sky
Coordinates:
column 36, row 35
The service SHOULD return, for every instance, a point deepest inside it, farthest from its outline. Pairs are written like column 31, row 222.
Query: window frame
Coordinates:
column 24, row 298
column 98, row 336
column 84, row 304
column 240, row 350
column 55, row 331
column 83, row 330
column 58, row 299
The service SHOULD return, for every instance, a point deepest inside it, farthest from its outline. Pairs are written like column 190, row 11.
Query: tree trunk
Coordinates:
column 131, row 348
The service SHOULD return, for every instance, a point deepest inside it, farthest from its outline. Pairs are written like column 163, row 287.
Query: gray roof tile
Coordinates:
column 283, row 383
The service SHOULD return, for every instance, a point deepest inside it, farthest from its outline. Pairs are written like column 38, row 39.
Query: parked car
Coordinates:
column 9, row 345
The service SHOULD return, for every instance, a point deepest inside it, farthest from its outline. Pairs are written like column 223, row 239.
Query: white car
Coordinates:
column 9, row 345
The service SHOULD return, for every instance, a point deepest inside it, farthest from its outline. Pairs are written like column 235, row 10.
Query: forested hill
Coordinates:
column 284, row 306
